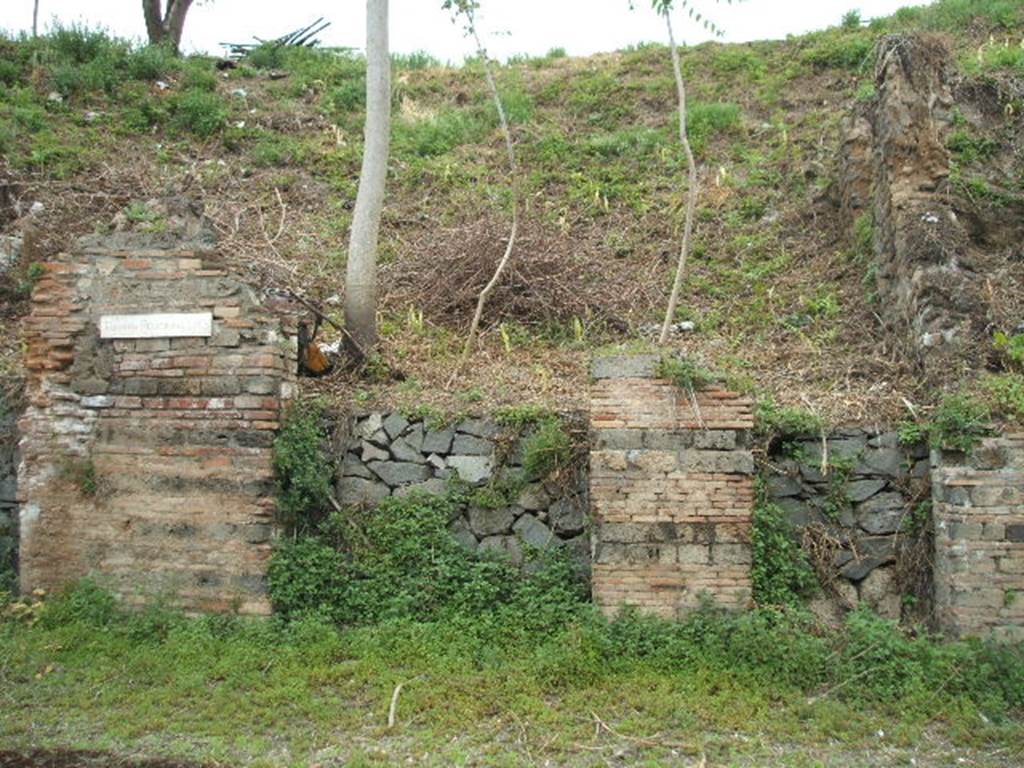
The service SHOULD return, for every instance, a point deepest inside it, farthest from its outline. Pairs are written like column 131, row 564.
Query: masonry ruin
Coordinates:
column 155, row 385
column 671, row 491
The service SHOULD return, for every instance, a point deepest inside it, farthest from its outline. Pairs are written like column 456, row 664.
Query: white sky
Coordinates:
column 512, row 26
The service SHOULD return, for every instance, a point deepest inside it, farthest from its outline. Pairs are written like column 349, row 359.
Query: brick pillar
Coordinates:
column 671, row 491
column 146, row 462
column 978, row 507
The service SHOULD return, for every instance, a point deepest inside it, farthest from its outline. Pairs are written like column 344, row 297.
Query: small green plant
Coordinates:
column 1006, row 394
column 1011, row 346
column 547, row 449
column 959, row 423
column 33, row 274
column 82, row 474
column 707, row 120
column 840, row 49
column 304, row 469
column 912, row 432
column 865, row 91
column 519, row 416
column 836, row 498
column 684, row 373
column 968, row 148
column 785, row 421
column 199, row 112
column 919, row 518
column 780, row 572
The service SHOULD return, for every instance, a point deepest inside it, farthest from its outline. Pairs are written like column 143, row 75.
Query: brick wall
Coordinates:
column 147, row 462
column 671, row 491
column 978, row 505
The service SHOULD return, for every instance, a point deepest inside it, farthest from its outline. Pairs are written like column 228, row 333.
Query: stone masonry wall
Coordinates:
column 671, row 491
column 862, row 505
column 979, row 539
column 147, row 462
column 387, row 454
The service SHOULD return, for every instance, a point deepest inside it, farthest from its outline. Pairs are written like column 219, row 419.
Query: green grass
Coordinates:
column 764, row 688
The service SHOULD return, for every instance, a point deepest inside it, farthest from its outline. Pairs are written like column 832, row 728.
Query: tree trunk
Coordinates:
column 691, row 192
column 165, row 27
column 361, row 271
column 514, row 180
column 35, row 19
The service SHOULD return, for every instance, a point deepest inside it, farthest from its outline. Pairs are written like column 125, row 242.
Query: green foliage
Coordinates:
column 199, row 112
column 85, row 602
column 851, row 19
column 399, row 561
column 684, row 373
column 547, row 449
column 780, row 573
column 956, row 15
column 785, row 421
column 414, row 61
column 268, row 55
column 839, row 49
column 959, row 423
column 152, row 62
column 705, row 121
column 912, row 432
column 275, row 150
column 82, row 474
column 437, row 135
column 1011, row 346
column 303, row 467
column 968, row 148
column 519, row 416
column 1006, row 393
column 759, row 674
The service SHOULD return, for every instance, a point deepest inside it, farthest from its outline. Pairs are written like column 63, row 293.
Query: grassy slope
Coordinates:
column 776, row 288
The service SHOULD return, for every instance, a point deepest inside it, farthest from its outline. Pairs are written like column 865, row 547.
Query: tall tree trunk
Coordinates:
column 361, row 271
column 513, row 179
column 691, row 192
column 165, row 27
column 35, row 19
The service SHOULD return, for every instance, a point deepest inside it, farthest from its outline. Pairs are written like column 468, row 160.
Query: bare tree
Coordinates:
column 164, row 26
column 361, row 270
column 665, row 7
column 467, row 9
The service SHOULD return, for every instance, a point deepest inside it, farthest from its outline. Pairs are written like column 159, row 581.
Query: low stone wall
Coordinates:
column 8, row 493
column 672, row 491
column 857, row 508
column 979, row 539
column 387, row 454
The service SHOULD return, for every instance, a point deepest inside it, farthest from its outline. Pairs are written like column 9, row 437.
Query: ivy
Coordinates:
column 780, row 572
column 303, row 466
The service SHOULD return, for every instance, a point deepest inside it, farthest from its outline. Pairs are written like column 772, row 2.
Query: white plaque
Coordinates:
column 156, row 326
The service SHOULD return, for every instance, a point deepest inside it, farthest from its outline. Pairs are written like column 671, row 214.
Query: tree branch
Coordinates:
column 691, row 192
column 514, row 180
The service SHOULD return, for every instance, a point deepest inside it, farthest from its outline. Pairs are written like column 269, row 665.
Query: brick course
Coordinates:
column 671, row 491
